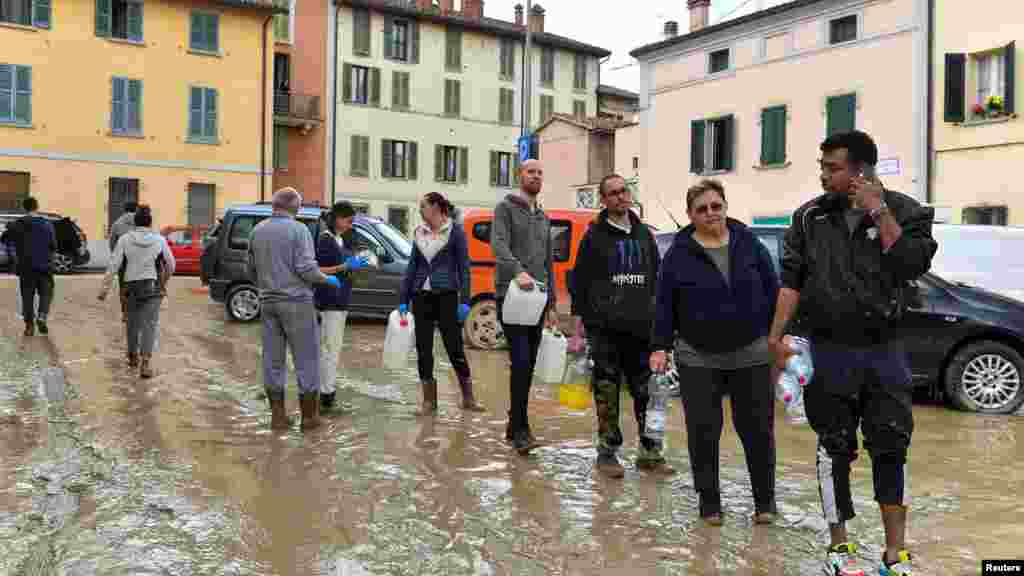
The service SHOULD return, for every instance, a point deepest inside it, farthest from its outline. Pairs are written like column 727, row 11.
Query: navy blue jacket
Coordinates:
column 34, row 241
column 449, row 270
column 329, row 253
column 695, row 302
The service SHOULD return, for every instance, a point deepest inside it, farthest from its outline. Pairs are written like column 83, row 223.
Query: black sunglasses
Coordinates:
column 714, row 207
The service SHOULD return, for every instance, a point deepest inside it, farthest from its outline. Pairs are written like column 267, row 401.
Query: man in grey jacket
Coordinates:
column 123, row 225
column 284, row 264
column 521, row 239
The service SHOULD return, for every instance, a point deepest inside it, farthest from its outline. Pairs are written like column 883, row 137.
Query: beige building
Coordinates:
column 977, row 138
column 748, row 101
column 431, row 100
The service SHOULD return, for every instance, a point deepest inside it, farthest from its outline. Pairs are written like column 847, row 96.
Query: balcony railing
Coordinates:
column 297, row 107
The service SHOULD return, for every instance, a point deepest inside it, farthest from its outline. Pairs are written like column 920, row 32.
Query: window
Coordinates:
column 579, row 77
column 241, row 231
column 561, row 240
column 506, row 106
column 718, row 61
column 280, row 147
column 636, row 162
column 361, row 32
column 482, row 232
column 366, row 241
column 398, row 159
column 15, row 94
column 579, row 108
column 205, row 32
column 587, row 198
column 398, row 242
column 772, row 243
column 361, row 85
column 401, row 40
column 126, row 106
column 452, row 97
column 180, row 237
column 547, row 107
column 711, row 145
column 840, row 114
column 453, row 49
column 773, row 135
column 119, row 192
column 842, row 29
column 361, row 209
column 400, row 90
column 201, row 205
column 282, row 74
column 987, row 215
column 990, row 72
column 451, row 164
column 120, row 19
column 26, row 12
column 359, row 156
column 503, row 166
column 202, row 115
column 547, row 66
column 398, row 216
column 994, row 75
column 507, row 57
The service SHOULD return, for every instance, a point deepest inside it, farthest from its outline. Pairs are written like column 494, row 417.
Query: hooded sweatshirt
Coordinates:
column 138, row 250
column 439, row 263
column 521, row 240
column 615, row 277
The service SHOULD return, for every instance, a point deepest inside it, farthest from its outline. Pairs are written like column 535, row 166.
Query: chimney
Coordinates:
column 536, row 19
column 473, row 8
column 519, row 14
column 699, row 10
column 671, row 29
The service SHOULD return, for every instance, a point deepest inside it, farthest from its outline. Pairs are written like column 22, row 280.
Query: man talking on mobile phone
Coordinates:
column 848, row 259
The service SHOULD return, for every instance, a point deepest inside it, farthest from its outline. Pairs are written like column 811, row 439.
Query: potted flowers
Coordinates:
column 978, row 110
column 994, row 105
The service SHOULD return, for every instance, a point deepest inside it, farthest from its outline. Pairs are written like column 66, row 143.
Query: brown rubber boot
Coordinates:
column 145, row 370
column 278, row 416
column 609, row 466
column 310, row 404
column 133, row 360
column 429, row 404
column 469, row 402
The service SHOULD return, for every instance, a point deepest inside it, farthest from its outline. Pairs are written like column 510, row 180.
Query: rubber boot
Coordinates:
column 469, row 402
column 429, row 404
column 133, row 360
column 278, row 417
column 310, row 404
column 145, row 370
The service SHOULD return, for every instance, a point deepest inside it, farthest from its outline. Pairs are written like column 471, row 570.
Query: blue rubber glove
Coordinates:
column 403, row 309
column 463, row 313
column 356, row 263
column 333, row 281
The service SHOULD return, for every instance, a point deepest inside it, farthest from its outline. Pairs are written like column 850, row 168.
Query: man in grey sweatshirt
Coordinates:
column 284, row 264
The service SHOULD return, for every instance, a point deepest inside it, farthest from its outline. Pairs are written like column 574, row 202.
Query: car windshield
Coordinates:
column 395, row 238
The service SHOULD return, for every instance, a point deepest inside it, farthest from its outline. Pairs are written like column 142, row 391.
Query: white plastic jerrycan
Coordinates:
column 398, row 340
column 524, row 308
column 551, row 357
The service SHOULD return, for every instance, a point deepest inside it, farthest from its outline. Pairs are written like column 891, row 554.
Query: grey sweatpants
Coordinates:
column 291, row 324
column 143, row 321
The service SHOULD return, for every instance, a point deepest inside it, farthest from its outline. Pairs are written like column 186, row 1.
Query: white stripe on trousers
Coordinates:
column 332, row 338
column 827, row 486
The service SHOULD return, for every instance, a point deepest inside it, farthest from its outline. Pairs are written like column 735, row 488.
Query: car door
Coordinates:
column 236, row 247
column 376, row 291
column 929, row 327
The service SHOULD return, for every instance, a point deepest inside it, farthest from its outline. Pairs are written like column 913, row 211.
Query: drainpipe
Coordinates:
column 930, row 141
column 263, row 110
column 334, row 110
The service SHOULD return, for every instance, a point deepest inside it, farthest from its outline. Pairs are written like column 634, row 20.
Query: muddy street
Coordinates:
column 101, row 473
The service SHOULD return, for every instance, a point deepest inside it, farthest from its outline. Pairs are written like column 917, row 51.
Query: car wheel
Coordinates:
column 62, row 263
column 243, row 304
column 483, row 331
column 986, row 377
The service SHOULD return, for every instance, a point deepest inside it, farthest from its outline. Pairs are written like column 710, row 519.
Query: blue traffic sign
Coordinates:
column 524, row 148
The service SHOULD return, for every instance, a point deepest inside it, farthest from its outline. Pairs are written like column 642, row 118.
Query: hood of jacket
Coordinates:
column 423, row 236
column 143, row 238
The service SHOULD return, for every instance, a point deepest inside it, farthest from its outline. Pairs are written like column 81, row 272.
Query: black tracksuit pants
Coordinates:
column 430, row 309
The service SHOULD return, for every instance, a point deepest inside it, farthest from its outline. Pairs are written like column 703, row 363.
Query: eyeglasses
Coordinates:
column 619, row 192
column 714, row 207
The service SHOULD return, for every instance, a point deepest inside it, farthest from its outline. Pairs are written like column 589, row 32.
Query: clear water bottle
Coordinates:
column 789, row 391
column 800, row 365
column 658, row 388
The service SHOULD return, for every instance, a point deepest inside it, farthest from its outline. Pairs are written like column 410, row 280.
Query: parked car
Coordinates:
column 72, row 244
column 224, row 262
column 965, row 343
column 186, row 243
column 482, row 329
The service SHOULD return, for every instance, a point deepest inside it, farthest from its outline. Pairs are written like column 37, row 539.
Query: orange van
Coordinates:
column 567, row 228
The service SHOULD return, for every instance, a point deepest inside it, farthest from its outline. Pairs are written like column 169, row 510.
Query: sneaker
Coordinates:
column 651, row 461
column 901, row 567
column 609, row 466
column 841, row 560
column 43, row 329
column 327, row 402
column 30, row 330
column 524, row 442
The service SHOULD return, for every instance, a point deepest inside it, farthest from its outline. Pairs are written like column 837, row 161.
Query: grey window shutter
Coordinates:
column 956, row 86
column 396, row 89
column 197, row 35
column 1010, row 92
column 346, row 82
column 389, row 34
column 501, row 106
column 385, row 158
column 353, row 157
column 103, row 12
column 728, row 143
column 117, row 123
column 414, row 43
column 697, row 128
column 135, row 21
column 213, row 32
column 6, row 92
column 361, row 32
column 515, row 169
column 463, row 164
column 195, row 114
column 412, row 161
column 448, row 97
column 457, row 97
column 406, row 91
column 211, row 114
column 23, row 94
column 438, row 162
column 364, row 155
column 375, row 86
column 495, row 168
column 41, row 13
column 133, row 106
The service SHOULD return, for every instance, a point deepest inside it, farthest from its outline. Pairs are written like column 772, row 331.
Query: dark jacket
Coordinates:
column 521, row 240
column 850, row 291
column 329, row 253
column 34, row 241
column 448, row 270
column 615, row 277
column 695, row 301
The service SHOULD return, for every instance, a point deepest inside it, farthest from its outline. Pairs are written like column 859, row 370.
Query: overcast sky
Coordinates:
column 620, row 26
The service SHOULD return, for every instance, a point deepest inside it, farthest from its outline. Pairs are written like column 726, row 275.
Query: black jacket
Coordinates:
column 615, row 277
column 850, row 291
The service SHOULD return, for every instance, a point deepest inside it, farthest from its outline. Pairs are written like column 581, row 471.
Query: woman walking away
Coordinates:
column 334, row 254
column 717, row 291
column 148, row 263
column 437, row 283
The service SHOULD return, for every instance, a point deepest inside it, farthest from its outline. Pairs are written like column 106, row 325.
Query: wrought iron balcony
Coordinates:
column 300, row 110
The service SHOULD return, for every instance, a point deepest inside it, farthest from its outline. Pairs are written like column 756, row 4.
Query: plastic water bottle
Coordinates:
column 800, row 365
column 657, row 405
column 798, row 373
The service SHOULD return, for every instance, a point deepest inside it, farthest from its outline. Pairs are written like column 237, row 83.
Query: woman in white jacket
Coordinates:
column 147, row 262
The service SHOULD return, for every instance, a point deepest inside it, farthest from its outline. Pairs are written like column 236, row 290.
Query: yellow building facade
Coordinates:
column 161, row 101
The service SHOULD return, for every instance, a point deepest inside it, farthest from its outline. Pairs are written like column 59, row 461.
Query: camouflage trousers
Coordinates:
column 621, row 357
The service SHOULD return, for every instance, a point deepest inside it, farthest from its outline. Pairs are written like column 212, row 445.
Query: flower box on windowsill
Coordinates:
column 989, row 119
column 776, row 166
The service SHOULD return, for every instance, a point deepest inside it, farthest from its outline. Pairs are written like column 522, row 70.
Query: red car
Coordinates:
column 186, row 244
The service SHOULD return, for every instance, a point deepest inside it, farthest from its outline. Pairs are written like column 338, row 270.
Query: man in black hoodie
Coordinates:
column 614, row 280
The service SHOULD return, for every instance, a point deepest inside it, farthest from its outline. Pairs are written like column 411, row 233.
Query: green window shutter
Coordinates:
column 389, row 34
column 515, row 169
column 133, row 106
column 346, row 82
column 697, row 128
column 135, row 21
column 406, row 90
column 780, row 134
column 211, row 114
column 6, row 92
column 364, row 155
column 23, row 94
column 412, row 161
column 495, row 168
column 361, row 32
column 195, row 112
column 103, row 15
column 448, row 97
column 375, row 86
column 117, row 108
column 438, row 162
column 197, row 35
column 213, row 32
column 354, row 167
column 773, row 135
column 456, row 98
column 463, row 164
column 841, row 114
column 728, row 142
column 396, row 89
column 385, row 158
column 280, row 147
column 956, row 86
column 453, row 49
column 414, row 42
column 1010, row 92
column 41, row 13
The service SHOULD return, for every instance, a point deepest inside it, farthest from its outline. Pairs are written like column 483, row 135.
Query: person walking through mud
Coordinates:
column 849, row 257
column 521, row 240
column 614, row 281
column 334, row 254
column 124, row 224
column 436, row 282
column 283, row 262
column 144, row 261
column 34, row 241
column 716, row 296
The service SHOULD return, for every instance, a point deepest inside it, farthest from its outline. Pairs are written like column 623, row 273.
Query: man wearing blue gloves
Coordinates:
column 283, row 263
column 437, row 283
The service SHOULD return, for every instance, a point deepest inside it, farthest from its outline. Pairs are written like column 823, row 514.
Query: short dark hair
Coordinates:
column 606, row 179
column 343, row 209
column 705, row 185
column 438, row 199
column 143, row 216
column 131, row 206
column 860, row 148
column 30, row 204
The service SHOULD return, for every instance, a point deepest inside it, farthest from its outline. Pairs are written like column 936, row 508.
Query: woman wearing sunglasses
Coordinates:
column 715, row 303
